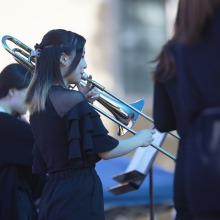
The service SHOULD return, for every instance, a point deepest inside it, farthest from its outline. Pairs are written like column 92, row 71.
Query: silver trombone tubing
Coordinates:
column 102, row 88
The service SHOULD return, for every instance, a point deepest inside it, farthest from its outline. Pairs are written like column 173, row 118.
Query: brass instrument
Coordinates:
column 125, row 114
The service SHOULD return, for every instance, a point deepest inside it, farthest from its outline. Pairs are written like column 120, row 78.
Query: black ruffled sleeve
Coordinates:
column 86, row 132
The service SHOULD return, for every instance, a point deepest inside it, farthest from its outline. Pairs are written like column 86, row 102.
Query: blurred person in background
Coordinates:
column 19, row 188
column 186, row 99
column 198, row 67
column 167, row 117
column 69, row 135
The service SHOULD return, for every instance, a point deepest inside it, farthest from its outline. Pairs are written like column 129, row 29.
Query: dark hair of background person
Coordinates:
column 165, row 69
column 193, row 18
column 13, row 76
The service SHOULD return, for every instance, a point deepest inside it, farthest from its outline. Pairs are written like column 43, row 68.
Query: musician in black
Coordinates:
column 19, row 188
column 167, row 117
column 198, row 68
column 186, row 99
column 69, row 135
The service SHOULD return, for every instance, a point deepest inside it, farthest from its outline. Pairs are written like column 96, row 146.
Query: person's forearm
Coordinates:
column 124, row 147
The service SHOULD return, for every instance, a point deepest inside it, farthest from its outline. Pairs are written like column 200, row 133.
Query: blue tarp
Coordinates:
column 162, row 184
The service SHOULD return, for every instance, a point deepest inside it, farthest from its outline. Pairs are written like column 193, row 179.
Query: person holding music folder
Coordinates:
column 69, row 135
column 195, row 107
column 19, row 188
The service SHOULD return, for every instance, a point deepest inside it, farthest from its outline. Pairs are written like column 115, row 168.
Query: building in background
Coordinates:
column 124, row 36
column 133, row 33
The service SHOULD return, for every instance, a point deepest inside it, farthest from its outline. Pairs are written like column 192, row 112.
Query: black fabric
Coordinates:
column 73, row 194
column 166, row 107
column 19, row 187
column 198, row 69
column 180, row 199
column 62, row 139
column 204, row 163
column 16, row 141
column 69, row 134
column 167, row 116
column 180, row 102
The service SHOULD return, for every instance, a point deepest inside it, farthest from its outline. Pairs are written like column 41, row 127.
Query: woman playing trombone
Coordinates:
column 69, row 135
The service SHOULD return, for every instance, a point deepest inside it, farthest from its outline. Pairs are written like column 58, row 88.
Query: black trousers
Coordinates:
column 72, row 195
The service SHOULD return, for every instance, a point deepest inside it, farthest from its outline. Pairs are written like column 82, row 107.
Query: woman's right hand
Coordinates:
column 146, row 136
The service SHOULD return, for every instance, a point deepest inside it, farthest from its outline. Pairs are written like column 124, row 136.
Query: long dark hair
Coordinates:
column 193, row 17
column 47, row 70
column 13, row 76
column 165, row 69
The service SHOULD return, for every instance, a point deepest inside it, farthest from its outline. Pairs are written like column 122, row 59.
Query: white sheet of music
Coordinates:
column 144, row 156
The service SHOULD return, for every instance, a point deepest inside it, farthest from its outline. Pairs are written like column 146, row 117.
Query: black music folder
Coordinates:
column 138, row 168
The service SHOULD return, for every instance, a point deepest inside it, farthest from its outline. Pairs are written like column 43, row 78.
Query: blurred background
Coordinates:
column 123, row 38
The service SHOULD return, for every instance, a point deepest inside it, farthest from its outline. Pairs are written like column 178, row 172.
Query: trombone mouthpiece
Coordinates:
column 84, row 76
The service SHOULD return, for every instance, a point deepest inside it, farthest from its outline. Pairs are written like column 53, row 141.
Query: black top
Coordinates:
column 16, row 179
column 198, row 67
column 177, row 104
column 166, row 107
column 16, row 141
column 69, row 133
column 167, row 113
column 179, row 101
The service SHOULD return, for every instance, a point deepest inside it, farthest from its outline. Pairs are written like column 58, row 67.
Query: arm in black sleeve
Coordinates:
column 164, row 117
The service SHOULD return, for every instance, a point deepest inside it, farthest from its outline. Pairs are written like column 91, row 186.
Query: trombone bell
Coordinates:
column 121, row 112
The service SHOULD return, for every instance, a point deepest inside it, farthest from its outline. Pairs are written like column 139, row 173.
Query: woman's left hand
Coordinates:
column 91, row 93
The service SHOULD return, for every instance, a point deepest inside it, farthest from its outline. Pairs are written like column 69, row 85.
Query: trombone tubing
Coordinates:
column 134, row 132
column 102, row 88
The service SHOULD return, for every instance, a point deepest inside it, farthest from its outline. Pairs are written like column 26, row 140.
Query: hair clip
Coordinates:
column 35, row 53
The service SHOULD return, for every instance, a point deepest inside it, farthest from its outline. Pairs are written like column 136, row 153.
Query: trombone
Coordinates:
column 125, row 114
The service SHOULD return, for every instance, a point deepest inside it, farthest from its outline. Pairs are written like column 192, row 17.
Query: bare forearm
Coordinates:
column 124, row 147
